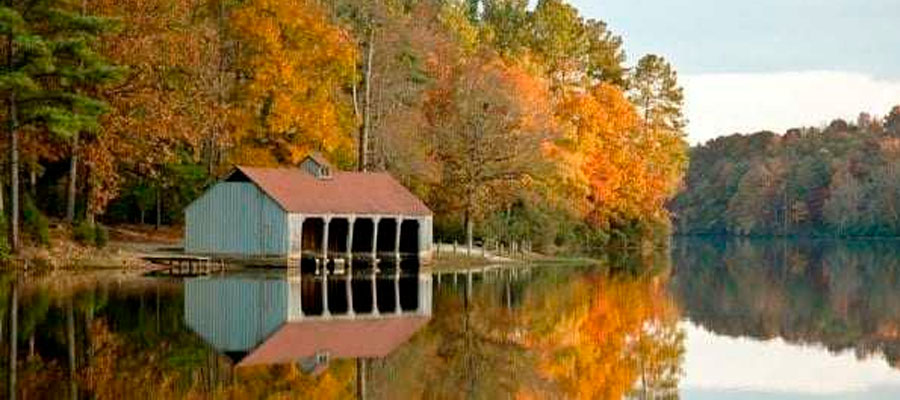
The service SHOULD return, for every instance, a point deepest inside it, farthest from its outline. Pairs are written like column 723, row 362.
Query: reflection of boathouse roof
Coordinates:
column 297, row 191
column 271, row 320
column 343, row 338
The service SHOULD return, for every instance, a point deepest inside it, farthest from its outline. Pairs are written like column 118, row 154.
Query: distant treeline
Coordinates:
column 843, row 180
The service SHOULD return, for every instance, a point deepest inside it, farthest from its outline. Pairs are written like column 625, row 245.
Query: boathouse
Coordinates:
column 303, row 317
column 312, row 211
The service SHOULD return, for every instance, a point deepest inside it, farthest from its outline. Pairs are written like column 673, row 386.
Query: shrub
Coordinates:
column 84, row 233
column 36, row 225
column 101, row 236
column 91, row 235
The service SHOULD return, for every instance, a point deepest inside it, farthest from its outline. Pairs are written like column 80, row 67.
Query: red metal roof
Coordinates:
column 354, row 338
column 363, row 193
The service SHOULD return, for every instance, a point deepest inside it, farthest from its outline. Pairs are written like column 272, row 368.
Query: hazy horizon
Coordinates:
column 766, row 65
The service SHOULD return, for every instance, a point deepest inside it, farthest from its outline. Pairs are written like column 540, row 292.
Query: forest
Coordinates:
column 511, row 121
column 842, row 180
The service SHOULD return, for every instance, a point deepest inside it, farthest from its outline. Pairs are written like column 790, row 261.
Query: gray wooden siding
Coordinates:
column 236, row 218
column 235, row 314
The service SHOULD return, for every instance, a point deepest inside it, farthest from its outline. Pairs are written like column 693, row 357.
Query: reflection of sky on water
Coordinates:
column 723, row 367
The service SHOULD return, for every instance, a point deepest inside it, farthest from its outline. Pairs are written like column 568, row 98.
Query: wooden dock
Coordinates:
column 185, row 265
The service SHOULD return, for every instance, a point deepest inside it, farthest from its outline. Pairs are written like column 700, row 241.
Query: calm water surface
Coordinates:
column 710, row 320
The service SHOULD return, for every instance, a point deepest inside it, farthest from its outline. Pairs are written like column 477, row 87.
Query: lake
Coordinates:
column 709, row 319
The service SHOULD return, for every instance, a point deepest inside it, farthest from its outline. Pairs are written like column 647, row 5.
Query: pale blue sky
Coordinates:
column 703, row 36
column 750, row 65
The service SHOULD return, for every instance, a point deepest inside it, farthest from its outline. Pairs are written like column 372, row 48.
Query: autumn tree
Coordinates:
column 168, row 110
column 292, row 69
column 838, row 180
column 488, row 123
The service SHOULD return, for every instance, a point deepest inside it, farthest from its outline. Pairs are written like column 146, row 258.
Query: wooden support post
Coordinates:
column 327, row 222
column 375, row 222
column 350, row 223
column 374, row 295
column 469, row 284
column 349, row 288
column 325, row 311
column 300, row 294
column 397, row 309
column 397, row 238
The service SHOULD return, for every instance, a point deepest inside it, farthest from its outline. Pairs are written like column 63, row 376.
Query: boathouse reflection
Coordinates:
column 308, row 319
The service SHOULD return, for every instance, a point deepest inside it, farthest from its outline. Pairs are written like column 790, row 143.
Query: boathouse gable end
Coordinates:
column 236, row 218
column 317, row 166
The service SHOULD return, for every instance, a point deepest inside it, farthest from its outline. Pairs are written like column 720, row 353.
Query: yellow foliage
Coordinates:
column 292, row 66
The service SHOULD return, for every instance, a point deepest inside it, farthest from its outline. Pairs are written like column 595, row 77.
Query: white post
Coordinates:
column 350, row 310
column 374, row 295
column 469, row 284
column 397, row 238
column 397, row 309
column 325, row 311
column 350, row 222
column 327, row 221
column 375, row 222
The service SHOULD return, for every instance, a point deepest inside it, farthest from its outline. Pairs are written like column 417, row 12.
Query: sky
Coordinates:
column 723, row 367
column 758, row 65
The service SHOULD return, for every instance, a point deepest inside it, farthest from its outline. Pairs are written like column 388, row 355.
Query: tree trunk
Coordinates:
column 470, row 228
column 2, row 206
column 89, row 207
column 73, row 174
column 70, row 342
column 13, row 174
column 13, row 340
column 361, row 364
column 158, row 207
column 367, row 107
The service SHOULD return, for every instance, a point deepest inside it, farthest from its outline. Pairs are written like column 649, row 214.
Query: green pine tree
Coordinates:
column 49, row 77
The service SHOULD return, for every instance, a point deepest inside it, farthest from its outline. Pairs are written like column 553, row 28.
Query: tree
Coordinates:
column 842, row 207
column 49, row 61
column 292, row 69
column 620, row 174
column 655, row 92
column 82, row 70
column 170, row 108
column 558, row 41
column 892, row 121
column 27, row 55
column 488, row 129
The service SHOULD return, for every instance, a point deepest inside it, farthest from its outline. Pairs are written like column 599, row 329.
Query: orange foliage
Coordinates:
column 614, row 169
column 168, row 97
column 292, row 66
column 489, row 120
column 627, row 331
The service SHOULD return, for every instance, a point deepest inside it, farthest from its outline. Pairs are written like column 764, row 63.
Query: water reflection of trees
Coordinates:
column 562, row 332
column 843, row 295
column 543, row 332
column 109, row 340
